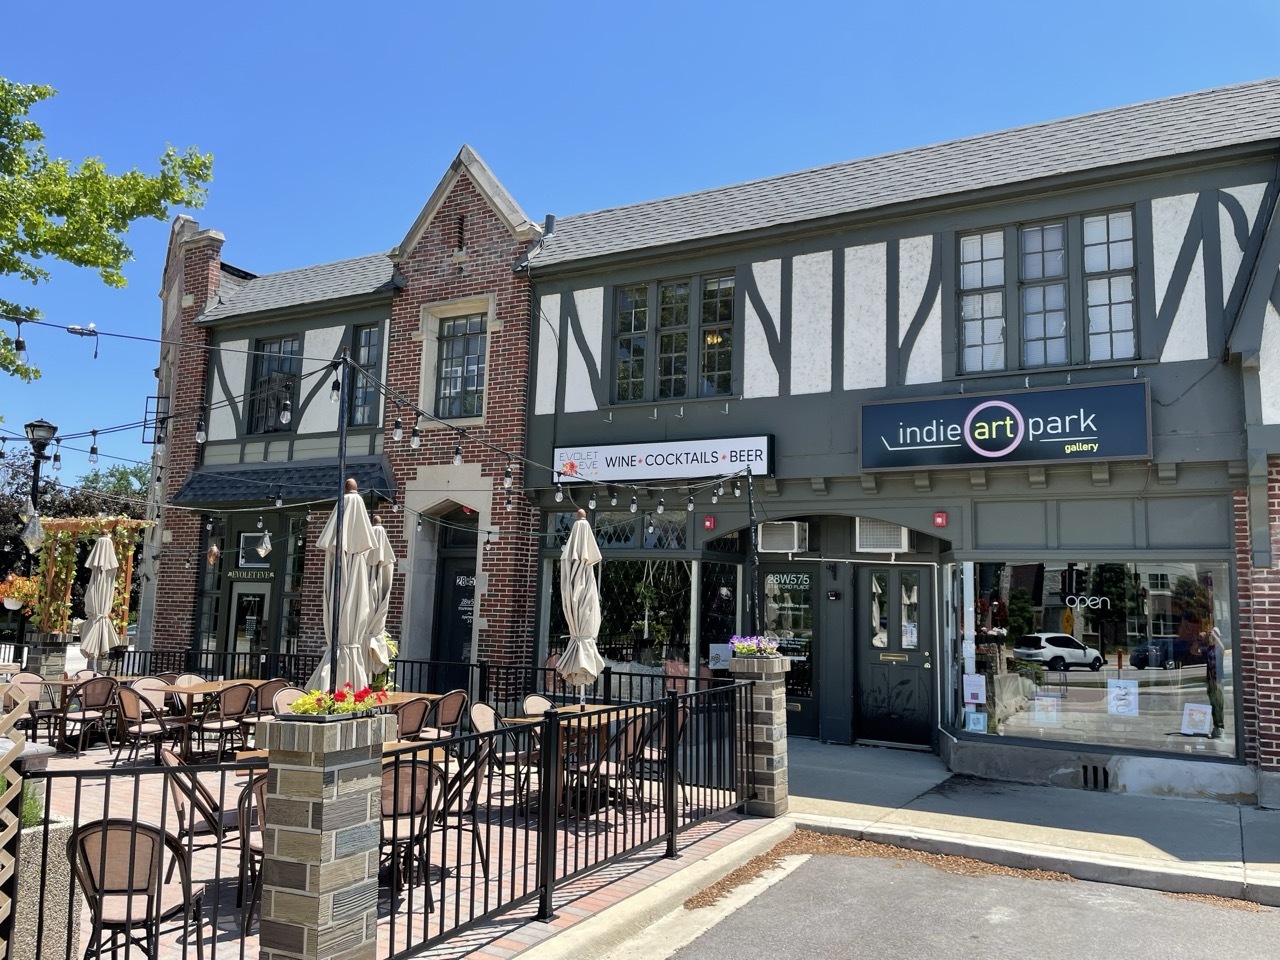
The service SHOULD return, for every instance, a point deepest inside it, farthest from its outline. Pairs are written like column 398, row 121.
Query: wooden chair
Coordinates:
column 121, row 866
column 411, row 799
column 141, row 722
column 89, row 705
column 446, row 716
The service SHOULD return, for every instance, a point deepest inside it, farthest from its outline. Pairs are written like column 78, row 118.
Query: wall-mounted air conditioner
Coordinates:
column 783, row 536
column 880, row 536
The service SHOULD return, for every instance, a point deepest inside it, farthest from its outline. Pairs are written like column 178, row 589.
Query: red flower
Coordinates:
column 320, row 701
column 380, row 696
column 340, row 696
column 362, row 695
column 347, row 684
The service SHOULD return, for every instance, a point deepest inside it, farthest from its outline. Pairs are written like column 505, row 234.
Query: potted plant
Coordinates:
column 755, row 647
column 20, row 593
column 345, row 703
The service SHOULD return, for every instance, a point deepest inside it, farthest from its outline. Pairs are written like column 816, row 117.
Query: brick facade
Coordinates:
column 1259, row 653
column 179, row 566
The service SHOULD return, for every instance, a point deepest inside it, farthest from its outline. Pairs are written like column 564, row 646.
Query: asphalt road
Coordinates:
column 838, row 907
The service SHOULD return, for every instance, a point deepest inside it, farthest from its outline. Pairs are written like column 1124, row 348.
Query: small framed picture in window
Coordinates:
column 249, row 559
column 975, row 722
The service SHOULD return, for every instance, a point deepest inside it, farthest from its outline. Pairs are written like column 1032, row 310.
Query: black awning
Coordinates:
column 292, row 482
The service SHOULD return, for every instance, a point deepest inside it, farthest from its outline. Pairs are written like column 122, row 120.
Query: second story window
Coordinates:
column 367, row 354
column 275, row 379
column 460, row 370
column 673, row 340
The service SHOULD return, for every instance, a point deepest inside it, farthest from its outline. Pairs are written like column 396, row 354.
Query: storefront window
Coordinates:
column 718, row 603
column 1136, row 655
column 788, row 618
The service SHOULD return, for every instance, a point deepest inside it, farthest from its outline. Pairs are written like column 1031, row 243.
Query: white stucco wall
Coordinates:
column 544, row 393
column 1269, row 365
column 1249, row 198
column 221, row 424
column 1188, row 333
column 811, row 323
column 865, row 316
column 760, row 375
column 915, row 260
column 319, row 416
column 578, row 395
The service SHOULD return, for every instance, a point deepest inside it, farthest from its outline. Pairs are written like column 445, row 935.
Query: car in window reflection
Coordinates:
column 1166, row 653
column 1057, row 651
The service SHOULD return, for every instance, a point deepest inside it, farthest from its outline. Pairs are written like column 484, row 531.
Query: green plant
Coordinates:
column 1021, row 614
column 32, row 807
column 344, row 700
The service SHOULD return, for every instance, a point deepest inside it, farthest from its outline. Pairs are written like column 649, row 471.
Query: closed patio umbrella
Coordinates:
column 580, row 597
column 97, row 634
column 382, row 571
column 355, row 607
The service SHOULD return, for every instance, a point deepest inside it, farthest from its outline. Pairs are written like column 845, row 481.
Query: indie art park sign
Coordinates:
column 1050, row 425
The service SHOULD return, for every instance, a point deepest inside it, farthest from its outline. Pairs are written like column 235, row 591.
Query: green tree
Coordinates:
column 76, row 213
column 119, row 480
column 1022, row 614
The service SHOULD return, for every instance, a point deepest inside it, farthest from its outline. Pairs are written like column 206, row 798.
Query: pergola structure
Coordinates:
column 59, row 561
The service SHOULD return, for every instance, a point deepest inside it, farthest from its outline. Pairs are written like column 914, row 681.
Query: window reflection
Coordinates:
column 1137, row 655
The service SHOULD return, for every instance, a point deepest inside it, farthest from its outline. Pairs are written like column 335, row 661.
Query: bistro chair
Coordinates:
column 121, row 866
column 608, row 772
column 253, row 800
column 85, row 675
column 461, row 797
column 446, row 716
column 89, row 705
column 484, row 719
column 535, row 705
column 284, row 699
column 656, row 753
column 32, row 687
column 223, row 718
column 197, row 810
column 141, row 722
column 411, row 799
column 262, row 710
column 410, row 717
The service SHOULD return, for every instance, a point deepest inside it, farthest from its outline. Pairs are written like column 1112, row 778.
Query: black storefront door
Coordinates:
column 893, row 680
column 454, row 618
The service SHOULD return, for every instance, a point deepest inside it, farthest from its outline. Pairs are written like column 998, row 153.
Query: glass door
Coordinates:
column 894, row 672
column 248, row 627
column 790, row 618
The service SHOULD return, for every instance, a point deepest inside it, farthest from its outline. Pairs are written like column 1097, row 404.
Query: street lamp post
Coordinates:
column 39, row 434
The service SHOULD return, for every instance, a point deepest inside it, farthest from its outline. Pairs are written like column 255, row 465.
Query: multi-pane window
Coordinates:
column 1073, row 284
column 982, row 301
column 1044, row 295
column 460, row 373
column 367, row 353
column 1109, row 283
column 276, row 367
column 693, row 336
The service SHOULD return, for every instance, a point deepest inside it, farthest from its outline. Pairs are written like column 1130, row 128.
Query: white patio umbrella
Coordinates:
column 355, row 608
column 382, row 571
column 580, row 597
column 97, row 634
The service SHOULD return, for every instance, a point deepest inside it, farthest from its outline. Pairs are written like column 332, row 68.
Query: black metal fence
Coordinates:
column 472, row 827
column 211, row 664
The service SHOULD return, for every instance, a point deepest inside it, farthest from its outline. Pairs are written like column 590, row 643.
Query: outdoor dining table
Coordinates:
column 189, row 694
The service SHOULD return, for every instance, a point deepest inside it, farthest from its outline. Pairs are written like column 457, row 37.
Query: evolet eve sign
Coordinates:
column 1047, row 425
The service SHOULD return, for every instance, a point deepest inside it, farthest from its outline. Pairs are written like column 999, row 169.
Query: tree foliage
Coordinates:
column 76, row 213
column 1022, row 614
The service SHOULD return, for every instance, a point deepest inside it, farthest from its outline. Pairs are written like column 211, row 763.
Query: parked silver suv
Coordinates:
column 1057, row 651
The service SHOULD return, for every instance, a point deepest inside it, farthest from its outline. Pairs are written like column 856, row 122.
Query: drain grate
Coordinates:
column 1094, row 777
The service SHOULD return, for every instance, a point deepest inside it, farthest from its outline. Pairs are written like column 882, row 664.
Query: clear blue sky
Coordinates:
column 330, row 123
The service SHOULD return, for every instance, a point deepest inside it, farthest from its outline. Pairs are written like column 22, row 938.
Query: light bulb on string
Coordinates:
column 286, row 408
column 559, row 492
column 57, row 455
column 93, row 447
column 689, row 506
column 3, row 455
column 208, row 525
column 397, row 430
column 279, row 499
column 737, row 488
column 591, row 501
column 201, row 433
column 650, row 521
column 662, row 505
column 635, row 504
column 506, row 477
column 457, row 454
column 613, row 497
column 308, row 514
column 259, row 521
column 419, row 524
column 395, row 506
column 335, row 390
column 510, row 505
column 715, row 497
column 20, row 347
column 486, row 540
column 415, row 436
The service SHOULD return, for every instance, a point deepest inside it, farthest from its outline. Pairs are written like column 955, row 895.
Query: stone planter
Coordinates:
column 47, row 654
column 328, row 717
column 35, row 905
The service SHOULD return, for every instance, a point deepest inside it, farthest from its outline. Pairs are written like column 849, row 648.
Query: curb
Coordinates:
column 1226, row 881
column 611, row 928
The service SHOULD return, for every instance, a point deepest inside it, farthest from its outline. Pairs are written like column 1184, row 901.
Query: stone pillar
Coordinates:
column 320, row 844
column 47, row 654
column 769, row 726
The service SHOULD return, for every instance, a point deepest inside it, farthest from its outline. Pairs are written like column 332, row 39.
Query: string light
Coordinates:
column 3, row 441
column 397, row 431
column 559, row 492
column 259, row 521
column 662, row 505
column 690, row 505
column 650, row 522
column 415, row 436
column 635, row 504
column 591, row 503
column 457, row 454
column 201, row 434
column 20, row 346
column 419, row 523
column 308, row 514
column 335, row 390
column 57, row 455
column 208, row 525
column 737, row 488
column 93, row 448
column 613, row 497
column 486, row 540
column 506, row 477
column 510, row 505
column 286, row 408
column 279, row 499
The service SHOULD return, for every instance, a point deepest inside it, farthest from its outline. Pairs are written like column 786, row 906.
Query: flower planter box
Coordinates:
column 329, row 717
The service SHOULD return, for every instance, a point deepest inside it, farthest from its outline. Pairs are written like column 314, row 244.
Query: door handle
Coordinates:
column 928, row 665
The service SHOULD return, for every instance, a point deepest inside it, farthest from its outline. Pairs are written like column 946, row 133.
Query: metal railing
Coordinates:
column 212, row 664
column 494, row 820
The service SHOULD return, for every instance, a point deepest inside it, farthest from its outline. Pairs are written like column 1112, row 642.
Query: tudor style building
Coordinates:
column 443, row 320
column 1011, row 412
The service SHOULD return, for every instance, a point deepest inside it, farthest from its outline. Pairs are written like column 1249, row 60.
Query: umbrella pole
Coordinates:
column 342, row 498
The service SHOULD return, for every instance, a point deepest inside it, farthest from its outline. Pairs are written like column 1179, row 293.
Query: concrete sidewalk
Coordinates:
column 911, row 800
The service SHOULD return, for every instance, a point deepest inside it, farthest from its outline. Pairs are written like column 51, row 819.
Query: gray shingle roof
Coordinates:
column 293, row 288
column 1224, row 117
column 297, row 481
